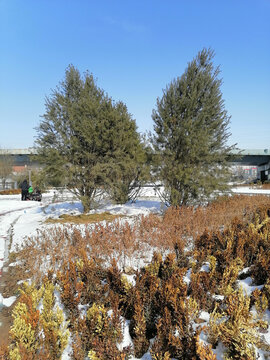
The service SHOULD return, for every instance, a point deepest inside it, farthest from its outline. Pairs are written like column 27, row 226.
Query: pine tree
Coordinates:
column 89, row 141
column 191, row 132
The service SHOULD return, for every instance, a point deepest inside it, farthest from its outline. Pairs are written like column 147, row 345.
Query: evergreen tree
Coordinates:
column 191, row 132
column 89, row 142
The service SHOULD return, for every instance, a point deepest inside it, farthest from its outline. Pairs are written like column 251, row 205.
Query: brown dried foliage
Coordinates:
column 122, row 241
column 229, row 234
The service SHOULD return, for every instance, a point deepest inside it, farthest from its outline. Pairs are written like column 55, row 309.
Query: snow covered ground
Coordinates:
column 25, row 217
column 249, row 190
column 21, row 219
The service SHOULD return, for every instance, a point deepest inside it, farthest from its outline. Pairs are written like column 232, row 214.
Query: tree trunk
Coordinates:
column 87, row 199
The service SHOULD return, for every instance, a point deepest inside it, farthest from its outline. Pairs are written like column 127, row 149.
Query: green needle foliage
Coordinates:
column 89, row 142
column 191, row 131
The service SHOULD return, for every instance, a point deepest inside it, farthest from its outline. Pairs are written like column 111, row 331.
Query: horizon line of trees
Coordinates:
column 90, row 143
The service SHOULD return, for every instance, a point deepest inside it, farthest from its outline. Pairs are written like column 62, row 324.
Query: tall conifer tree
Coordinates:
column 89, row 141
column 191, row 133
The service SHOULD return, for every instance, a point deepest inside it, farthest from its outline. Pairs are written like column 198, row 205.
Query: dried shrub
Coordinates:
column 4, row 352
column 24, row 333
column 261, row 266
column 78, row 350
column 127, row 243
column 201, row 288
column 259, row 298
column 203, row 351
column 70, row 288
column 87, row 265
column 10, row 192
column 140, row 341
column 37, row 335
column 235, row 327
column 102, row 332
column 53, row 324
column 164, row 297
column 119, row 286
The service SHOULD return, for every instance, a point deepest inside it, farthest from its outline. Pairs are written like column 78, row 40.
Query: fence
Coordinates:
column 7, row 185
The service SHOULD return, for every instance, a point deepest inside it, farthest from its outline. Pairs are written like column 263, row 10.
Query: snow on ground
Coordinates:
column 26, row 217
column 7, row 301
column 21, row 219
column 250, row 190
column 247, row 286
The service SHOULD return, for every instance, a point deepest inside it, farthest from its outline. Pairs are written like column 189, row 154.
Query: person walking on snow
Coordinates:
column 24, row 188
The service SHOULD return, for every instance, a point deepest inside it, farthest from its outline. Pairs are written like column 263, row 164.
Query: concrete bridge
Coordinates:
column 22, row 159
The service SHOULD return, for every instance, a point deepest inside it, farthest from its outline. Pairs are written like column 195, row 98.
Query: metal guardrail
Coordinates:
column 9, row 185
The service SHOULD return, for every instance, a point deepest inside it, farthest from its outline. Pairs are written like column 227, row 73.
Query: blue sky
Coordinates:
column 134, row 49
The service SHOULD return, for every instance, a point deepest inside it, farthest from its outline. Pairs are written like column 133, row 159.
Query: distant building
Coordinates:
column 21, row 159
column 250, row 159
column 245, row 172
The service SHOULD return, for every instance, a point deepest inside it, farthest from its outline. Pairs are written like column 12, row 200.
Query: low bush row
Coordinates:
column 10, row 192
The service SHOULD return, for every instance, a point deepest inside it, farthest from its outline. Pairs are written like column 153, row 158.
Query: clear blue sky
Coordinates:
column 134, row 49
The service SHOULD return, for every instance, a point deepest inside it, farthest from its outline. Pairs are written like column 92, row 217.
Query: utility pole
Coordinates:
column 30, row 182
column 29, row 174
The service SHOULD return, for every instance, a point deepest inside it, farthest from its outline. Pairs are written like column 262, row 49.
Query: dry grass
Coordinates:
column 130, row 243
column 83, row 218
column 10, row 192
column 78, row 258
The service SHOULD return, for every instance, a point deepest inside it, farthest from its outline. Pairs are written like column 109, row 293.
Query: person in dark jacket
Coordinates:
column 24, row 188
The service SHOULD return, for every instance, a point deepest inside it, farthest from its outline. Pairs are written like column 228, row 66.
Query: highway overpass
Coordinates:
column 23, row 158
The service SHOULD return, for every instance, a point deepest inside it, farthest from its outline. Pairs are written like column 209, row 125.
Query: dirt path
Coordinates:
column 8, row 283
column 8, row 287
